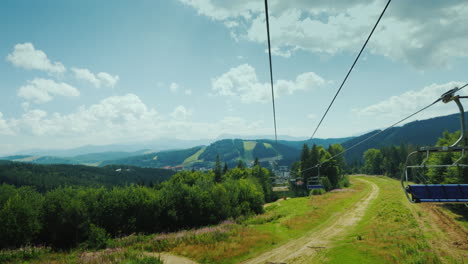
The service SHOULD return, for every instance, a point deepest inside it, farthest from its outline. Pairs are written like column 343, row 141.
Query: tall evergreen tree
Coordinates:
column 226, row 168
column 217, row 169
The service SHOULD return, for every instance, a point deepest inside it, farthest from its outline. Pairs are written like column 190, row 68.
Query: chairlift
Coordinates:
column 438, row 193
column 280, row 182
column 314, row 182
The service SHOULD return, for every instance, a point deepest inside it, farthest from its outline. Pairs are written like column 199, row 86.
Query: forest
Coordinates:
column 48, row 177
column 332, row 171
column 70, row 216
column 390, row 161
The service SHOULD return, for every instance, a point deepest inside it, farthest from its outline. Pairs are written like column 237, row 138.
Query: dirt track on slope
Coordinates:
column 169, row 258
column 448, row 237
column 301, row 250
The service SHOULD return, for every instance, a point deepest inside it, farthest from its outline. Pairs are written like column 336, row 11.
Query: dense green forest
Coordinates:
column 332, row 172
column 69, row 216
column 416, row 133
column 390, row 161
column 48, row 177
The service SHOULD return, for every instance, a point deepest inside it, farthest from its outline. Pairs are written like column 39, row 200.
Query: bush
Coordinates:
column 316, row 192
column 97, row 238
column 326, row 184
column 344, row 182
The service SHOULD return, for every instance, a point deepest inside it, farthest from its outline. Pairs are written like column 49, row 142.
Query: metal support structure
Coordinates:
column 452, row 193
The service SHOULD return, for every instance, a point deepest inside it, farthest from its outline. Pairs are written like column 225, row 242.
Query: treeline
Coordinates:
column 390, row 161
column 70, row 216
column 330, row 173
column 49, row 177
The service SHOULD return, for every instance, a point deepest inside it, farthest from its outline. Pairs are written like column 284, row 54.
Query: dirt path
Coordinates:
column 169, row 258
column 303, row 249
column 448, row 238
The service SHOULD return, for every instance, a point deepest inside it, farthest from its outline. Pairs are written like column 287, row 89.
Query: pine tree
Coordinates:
column 241, row 164
column 217, row 169
column 256, row 162
column 226, row 168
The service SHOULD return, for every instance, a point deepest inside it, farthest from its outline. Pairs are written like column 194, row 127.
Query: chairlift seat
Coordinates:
column 444, row 193
column 315, row 186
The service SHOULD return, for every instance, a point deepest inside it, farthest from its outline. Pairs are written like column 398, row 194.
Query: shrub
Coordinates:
column 97, row 237
column 316, row 192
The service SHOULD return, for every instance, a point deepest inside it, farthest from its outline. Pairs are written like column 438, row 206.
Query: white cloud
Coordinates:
column 181, row 113
column 112, row 117
column 174, row 87
column 311, row 116
column 188, row 92
column 27, row 57
column 4, row 126
column 42, row 90
column 400, row 106
column 225, row 10
column 107, row 79
column 118, row 119
column 242, row 81
column 423, row 33
column 98, row 80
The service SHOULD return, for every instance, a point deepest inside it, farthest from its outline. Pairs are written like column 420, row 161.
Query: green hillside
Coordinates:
column 47, row 177
column 417, row 133
column 229, row 151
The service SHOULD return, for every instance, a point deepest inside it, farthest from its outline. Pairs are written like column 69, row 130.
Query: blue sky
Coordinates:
column 101, row 72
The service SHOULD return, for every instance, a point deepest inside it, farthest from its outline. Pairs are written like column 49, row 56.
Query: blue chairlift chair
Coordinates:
column 438, row 193
column 314, row 182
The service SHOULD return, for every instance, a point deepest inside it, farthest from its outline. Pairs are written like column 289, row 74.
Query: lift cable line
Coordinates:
column 380, row 132
column 271, row 77
column 350, row 69
column 271, row 69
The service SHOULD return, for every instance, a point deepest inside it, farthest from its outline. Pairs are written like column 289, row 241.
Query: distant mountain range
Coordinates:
column 199, row 154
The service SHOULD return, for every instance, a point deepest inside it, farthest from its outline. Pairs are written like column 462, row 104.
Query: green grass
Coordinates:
column 194, row 157
column 388, row 233
column 267, row 145
column 248, row 149
column 282, row 222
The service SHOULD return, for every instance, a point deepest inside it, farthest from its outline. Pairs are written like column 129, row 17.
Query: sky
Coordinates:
column 88, row 72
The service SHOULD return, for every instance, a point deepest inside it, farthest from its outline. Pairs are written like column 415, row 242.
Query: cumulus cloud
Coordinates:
column 4, row 126
column 115, row 114
column 174, row 87
column 242, row 82
column 181, row 113
column 27, row 57
column 399, row 106
column 42, row 90
column 188, row 92
column 98, row 80
column 123, row 118
column 422, row 33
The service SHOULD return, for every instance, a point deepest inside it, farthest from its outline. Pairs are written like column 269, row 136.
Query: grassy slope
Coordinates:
column 393, row 231
column 194, row 157
column 282, row 221
column 248, row 148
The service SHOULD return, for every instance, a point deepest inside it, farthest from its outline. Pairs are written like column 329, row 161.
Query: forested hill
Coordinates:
column 48, row 177
column 229, row 150
column 417, row 133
